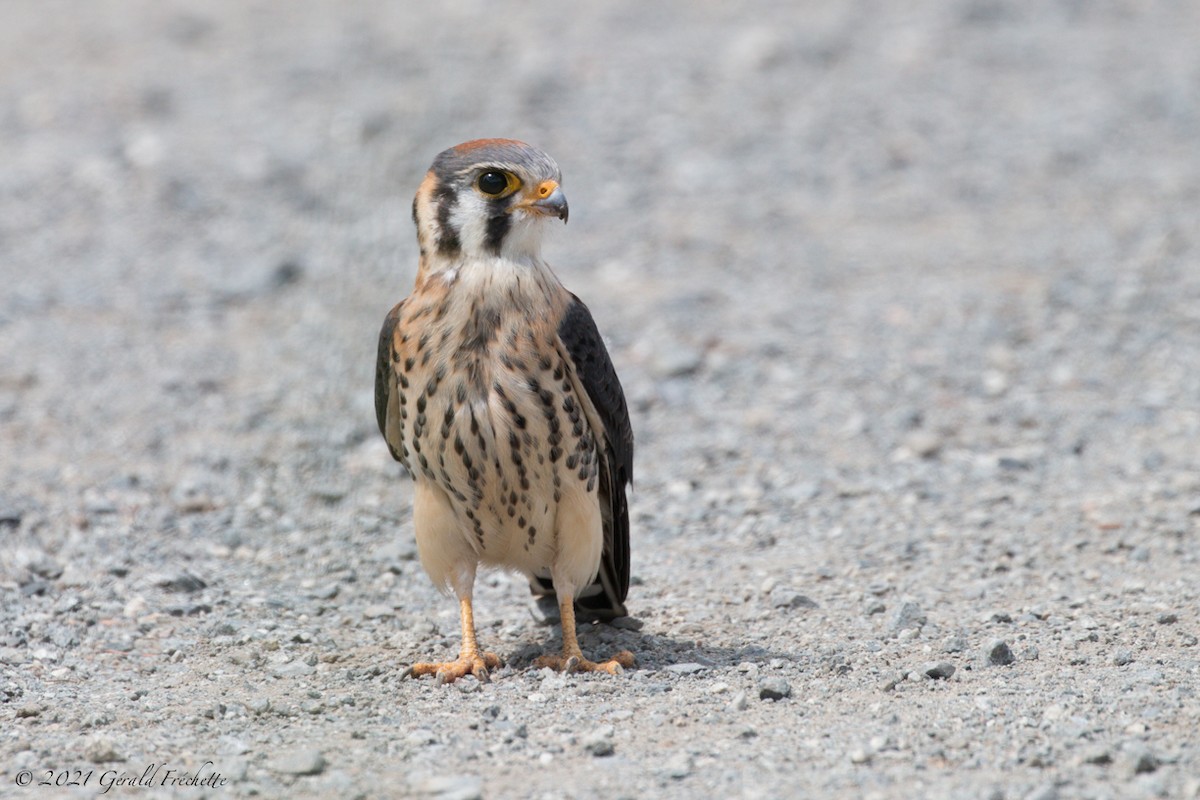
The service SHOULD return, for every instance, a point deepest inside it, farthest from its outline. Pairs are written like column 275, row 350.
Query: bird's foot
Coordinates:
column 478, row 665
column 577, row 663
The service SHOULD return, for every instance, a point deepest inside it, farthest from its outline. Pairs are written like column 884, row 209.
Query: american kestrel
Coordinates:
column 494, row 389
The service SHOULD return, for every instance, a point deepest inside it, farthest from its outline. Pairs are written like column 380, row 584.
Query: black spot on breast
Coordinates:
column 480, row 330
column 409, row 363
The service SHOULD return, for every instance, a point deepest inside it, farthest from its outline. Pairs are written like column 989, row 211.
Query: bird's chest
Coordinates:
column 491, row 415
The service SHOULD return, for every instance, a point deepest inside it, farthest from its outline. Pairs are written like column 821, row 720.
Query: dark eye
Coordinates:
column 492, row 182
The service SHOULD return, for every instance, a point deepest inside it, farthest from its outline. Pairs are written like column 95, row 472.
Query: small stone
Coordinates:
column 259, row 705
column 875, row 607
column 954, row 644
column 449, row 787
column 738, row 703
column 627, row 623
column 1168, row 618
column 859, row 756
column 45, row 567
column 686, row 668
column 1099, row 756
column 182, row 581
column 999, row 654
column 673, row 359
column 302, row 761
column 782, row 597
column 102, row 751
column 938, row 670
column 1122, row 657
column 1138, row 760
column 421, row 737
column 292, row 669
column 327, row 592
column 1047, row 791
column 908, row 616
column 28, row 710
column 599, row 742
column 774, row 689
column 678, row 767
column 378, row 611
column 923, row 444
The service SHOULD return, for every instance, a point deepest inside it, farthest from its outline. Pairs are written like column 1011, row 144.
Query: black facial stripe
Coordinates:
column 498, row 225
column 445, row 198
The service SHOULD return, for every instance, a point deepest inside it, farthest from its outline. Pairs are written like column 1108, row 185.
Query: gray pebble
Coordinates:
column 378, row 611
column 1122, row 657
column 908, row 616
column 938, row 670
column 259, row 705
column 923, row 444
column 102, row 751
column 875, row 607
column 449, row 787
column 292, row 669
column 301, row 761
column 954, row 644
column 600, row 741
column 1046, row 791
column 1136, row 759
column 738, row 703
column 1168, row 618
column 327, row 592
column 782, row 597
column 182, row 581
column 628, row 623
column 999, row 654
column 686, row 668
column 678, row 767
column 774, row 689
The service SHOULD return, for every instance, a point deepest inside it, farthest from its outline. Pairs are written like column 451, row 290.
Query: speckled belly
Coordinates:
column 504, row 435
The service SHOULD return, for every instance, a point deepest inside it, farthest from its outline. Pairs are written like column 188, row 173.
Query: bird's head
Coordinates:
column 488, row 197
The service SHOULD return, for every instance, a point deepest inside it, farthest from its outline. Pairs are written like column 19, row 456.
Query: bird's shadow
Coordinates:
column 652, row 651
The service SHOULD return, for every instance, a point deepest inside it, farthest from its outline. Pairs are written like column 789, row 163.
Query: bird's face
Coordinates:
column 487, row 197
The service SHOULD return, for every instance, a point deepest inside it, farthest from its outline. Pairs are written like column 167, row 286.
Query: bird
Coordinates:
column 494, row 389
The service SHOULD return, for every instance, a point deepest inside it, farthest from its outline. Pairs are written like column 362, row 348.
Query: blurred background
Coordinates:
column 909, row 289
column 813, row 216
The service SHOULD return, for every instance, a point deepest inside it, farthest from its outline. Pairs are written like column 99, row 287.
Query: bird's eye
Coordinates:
column 495, row 183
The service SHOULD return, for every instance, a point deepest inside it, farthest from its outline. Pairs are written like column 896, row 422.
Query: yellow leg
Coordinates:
column 572, row 659
column 469, row 658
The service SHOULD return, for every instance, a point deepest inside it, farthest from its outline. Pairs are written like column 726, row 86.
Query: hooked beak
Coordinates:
column 548, row 199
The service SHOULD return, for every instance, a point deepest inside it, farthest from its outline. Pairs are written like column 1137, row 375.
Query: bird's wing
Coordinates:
column 389, row 424
column 596, row 374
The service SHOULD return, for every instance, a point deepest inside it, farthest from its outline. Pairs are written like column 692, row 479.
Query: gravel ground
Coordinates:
column 905, row 298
